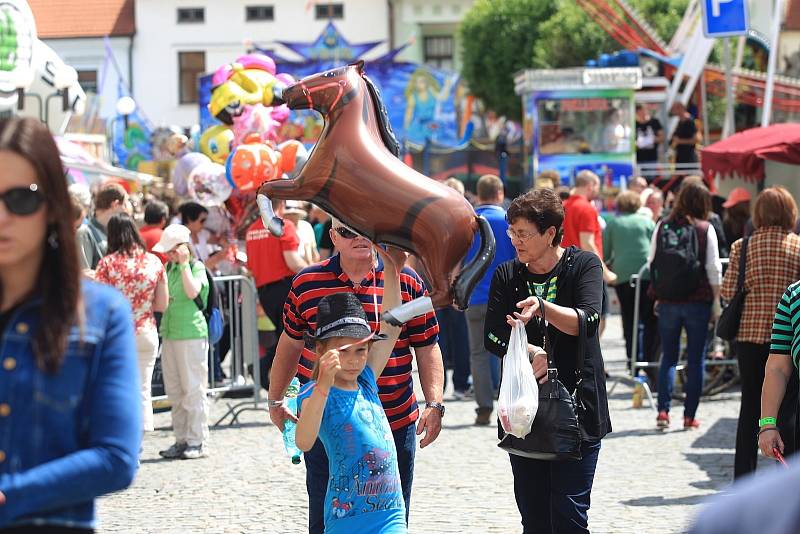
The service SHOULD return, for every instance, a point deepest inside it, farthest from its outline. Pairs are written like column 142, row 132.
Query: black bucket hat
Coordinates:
column 341, row 315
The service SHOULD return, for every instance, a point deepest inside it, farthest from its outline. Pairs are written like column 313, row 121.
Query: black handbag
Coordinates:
column 731, row 316
column 555, row 434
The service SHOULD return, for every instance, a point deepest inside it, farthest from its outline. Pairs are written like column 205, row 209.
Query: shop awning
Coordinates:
column 743, row 154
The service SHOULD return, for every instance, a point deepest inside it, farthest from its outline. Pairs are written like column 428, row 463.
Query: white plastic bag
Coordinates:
column 519, row 392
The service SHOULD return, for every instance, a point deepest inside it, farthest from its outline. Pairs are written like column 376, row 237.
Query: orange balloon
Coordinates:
column 250, row 165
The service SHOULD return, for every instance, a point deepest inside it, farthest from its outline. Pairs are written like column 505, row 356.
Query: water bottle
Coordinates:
column 290, row 427
column 638, row 391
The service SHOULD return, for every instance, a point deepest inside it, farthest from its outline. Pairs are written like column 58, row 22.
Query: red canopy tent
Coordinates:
column 744, row 153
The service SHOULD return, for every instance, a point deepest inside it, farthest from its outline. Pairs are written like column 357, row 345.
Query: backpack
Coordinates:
column 211, row 311
column 677, row 268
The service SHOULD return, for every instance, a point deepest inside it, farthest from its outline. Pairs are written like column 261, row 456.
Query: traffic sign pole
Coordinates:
column 777, row 15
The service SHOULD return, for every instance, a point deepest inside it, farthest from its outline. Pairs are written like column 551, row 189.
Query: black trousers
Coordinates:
column 752, row 362
column 648, row 348
column 272, row 297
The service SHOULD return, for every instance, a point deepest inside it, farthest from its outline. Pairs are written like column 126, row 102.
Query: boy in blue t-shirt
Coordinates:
column 341, row 407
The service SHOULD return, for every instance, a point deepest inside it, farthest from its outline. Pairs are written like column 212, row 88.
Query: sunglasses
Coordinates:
column 346, row 233
column 22, row 200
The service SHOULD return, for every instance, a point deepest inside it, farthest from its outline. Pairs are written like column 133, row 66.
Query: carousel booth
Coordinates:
column 755, row 159
column 580, row 118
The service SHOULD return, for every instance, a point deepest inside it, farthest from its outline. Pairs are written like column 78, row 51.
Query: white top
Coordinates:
column 713, row 263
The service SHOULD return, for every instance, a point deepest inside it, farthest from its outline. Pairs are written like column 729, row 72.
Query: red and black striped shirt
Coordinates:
column 395, row 386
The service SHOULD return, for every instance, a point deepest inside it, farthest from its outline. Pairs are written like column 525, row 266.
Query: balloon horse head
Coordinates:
column 354, row 173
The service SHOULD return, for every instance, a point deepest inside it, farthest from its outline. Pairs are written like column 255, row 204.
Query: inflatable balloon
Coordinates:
column 184, row 167
column 216, row 143
column 354, row 174
column 293, row 156
column 243, row 87
column 256, row 119
column 251, row 164
column 208, row 185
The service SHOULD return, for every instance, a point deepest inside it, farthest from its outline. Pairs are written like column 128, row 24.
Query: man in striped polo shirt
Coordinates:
column 356, row 268
column 783, row 362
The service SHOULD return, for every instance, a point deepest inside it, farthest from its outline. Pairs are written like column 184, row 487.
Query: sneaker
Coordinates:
column 690, row 422
column 484, row 417
column 460, row 395
column 662, row 421
column 192, row 452
column 176, row 451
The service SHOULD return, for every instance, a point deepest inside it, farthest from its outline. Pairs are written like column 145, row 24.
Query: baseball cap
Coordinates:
column 740, row 194
column 173, row 235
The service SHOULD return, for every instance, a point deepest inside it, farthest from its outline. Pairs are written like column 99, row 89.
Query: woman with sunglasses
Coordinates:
column 69, row 416
column 552, row 496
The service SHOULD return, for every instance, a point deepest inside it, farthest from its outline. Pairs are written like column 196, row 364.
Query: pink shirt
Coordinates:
column 136, row 276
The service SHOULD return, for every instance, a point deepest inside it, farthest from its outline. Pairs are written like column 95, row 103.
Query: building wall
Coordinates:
column 416, row 19
column 88, row 54
column 225, row 35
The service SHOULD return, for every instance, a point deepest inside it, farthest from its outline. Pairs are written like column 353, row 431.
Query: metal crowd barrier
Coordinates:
column 654, row 170
column 238, row 299
column 635, row 364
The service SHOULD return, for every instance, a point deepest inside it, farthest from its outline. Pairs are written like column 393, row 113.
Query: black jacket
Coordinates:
column 579, row 285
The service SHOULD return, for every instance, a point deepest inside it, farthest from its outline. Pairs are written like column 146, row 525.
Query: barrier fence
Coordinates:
column 238, row 348
column 634, row 365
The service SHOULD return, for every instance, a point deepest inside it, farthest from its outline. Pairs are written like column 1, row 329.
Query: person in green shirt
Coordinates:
column 184, row 355
column 784, row 359
column 626, row 242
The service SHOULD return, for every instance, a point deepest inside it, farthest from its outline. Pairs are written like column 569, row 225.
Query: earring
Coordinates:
column 52, row 240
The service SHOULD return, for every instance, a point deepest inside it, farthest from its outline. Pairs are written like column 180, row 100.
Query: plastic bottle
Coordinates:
column 290, row 427
column 638, row 391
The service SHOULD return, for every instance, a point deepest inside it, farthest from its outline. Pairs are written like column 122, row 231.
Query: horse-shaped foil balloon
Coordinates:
column 353, row 173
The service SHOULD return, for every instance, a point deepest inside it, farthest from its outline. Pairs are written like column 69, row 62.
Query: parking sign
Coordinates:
column 723, row 18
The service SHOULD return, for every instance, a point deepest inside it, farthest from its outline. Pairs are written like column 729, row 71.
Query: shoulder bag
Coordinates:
column 731, row 316
column 555, row 434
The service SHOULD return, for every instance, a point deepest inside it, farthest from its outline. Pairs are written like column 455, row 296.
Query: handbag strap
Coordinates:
column 742, row 264
column 552, row 370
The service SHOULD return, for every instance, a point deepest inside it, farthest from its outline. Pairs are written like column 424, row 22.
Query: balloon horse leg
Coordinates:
column 272, row 222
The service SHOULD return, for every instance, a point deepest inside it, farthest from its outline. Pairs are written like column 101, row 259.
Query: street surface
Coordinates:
column 646, row 481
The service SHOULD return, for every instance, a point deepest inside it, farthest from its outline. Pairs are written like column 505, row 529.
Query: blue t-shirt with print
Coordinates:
column 364, row 492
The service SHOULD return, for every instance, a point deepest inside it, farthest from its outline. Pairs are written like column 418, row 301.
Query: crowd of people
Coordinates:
column 80, row 355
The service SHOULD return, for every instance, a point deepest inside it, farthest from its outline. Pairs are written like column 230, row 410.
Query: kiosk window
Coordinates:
column 585, row 125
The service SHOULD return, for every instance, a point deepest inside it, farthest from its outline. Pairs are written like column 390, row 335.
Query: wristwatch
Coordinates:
column 436, row 406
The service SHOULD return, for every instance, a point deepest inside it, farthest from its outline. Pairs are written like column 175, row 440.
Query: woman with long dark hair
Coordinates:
column 69, row 421
column 141, row 277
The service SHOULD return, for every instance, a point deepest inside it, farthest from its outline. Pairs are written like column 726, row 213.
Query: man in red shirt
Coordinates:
column 155, row 218
column 273, row 261
column 582, row 226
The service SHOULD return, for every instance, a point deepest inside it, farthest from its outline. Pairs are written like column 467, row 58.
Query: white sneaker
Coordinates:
column 192, row 452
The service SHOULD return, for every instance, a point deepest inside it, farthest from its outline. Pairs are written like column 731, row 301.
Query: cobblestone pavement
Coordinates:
column 646, row 481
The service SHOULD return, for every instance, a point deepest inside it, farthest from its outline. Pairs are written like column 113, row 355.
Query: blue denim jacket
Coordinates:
column 68, row 438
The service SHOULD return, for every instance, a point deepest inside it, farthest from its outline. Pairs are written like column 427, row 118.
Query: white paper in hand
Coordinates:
column 519, row 392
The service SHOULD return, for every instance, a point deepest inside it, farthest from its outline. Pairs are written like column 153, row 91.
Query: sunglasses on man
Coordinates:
column 22, row 200
column 346, row 233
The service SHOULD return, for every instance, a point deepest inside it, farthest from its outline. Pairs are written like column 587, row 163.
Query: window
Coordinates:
column 88, row 80
column 191, row 65
column 585, row 125
column 329, row 11
column 258, row 13
column 191, row 15
column 439, row 51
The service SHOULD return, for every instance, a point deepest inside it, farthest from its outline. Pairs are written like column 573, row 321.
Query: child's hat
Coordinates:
column 342, row 315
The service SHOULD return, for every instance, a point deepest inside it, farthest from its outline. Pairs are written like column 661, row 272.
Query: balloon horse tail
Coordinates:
column 354, row 174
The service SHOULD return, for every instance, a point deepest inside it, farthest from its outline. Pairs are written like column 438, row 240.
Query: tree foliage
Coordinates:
column 498, row 39
column 502, row 37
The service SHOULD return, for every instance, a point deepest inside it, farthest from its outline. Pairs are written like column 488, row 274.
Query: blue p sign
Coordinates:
column 722, row 18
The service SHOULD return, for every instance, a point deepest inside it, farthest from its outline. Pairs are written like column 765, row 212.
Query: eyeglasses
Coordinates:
column 23, row 200
column 346, row 233
column 521, row 236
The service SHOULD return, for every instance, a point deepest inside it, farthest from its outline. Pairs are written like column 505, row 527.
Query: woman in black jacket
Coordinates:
column 552, row 495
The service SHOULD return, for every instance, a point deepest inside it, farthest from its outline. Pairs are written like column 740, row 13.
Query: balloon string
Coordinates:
column 375, row 310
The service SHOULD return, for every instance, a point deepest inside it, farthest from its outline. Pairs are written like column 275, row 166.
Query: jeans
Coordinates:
column 672, row 319
column 752, row 362
column 554, row 497
column 455, row 345
column 317, row 475
column 479, row 358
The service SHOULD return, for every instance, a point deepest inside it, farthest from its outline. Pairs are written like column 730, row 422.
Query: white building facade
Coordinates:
column 179, row 40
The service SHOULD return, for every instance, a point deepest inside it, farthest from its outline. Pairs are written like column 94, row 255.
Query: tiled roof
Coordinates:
column 83, row 18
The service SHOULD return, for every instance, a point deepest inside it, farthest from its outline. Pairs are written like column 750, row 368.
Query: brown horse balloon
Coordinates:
column 353, row 173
